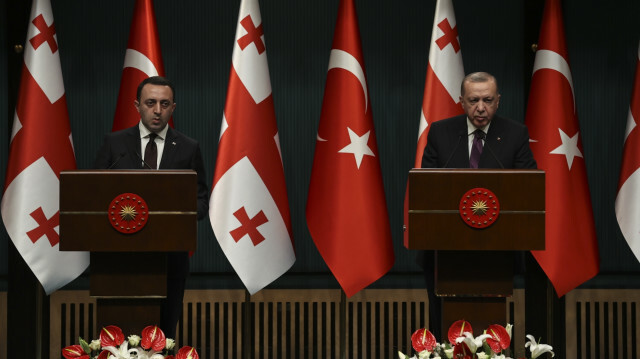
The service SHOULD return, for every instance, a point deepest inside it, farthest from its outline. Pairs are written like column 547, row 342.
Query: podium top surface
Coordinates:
column 436, row 219
column 87, row 212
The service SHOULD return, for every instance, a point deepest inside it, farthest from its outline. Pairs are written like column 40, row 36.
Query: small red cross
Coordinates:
column 46, row 34
column 450, row 36
column 253, row 35
column 45, row 227
column 249, row 226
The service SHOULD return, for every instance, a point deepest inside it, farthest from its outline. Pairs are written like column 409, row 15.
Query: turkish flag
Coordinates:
column 142, row 59
column 442, row 87
column 627, row 200
column 249, row 208
column 346, row 209
column 571, row 254
column 41, row 147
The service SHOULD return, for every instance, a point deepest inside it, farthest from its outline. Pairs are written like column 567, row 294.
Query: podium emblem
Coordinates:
column 128, row 213
column 479, row 208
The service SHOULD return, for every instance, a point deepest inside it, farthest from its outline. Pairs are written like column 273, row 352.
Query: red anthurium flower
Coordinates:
column 111, row 336
column 500, row 339
column 153, row 337
column 462, row 351
column 187, row 353
column 169, row 357
column 457, row 329
column 422, row 339
column 74, row 351
column 104, row 355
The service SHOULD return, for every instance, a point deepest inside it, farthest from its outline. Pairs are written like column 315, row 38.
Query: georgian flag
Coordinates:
column 41, row 147
column 627, row 200
column 445, row 72
column 249, row 208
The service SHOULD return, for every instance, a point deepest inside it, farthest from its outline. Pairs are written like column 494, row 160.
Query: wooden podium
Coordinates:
column 475, row 219
column 128, row 265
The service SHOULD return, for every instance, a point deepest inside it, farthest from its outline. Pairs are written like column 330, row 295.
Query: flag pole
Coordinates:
column 343, row 324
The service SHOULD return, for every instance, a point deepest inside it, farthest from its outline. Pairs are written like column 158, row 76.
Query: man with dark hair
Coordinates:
column 151, row 144
column 458, row 142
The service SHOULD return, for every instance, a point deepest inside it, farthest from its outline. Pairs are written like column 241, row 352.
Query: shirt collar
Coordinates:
column 144, row 132
column 471, row 128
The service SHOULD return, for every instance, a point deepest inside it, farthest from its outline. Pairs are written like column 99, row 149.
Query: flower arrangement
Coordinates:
column 152, row 345
column 463, row 345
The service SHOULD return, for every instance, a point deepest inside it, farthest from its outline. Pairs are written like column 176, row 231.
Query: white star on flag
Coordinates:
column 358, row 146
column 569, row 147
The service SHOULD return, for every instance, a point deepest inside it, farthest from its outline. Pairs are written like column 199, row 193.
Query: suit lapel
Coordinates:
column 493, row 141
column 459, row 135
column 132, row 142
column 169, row 151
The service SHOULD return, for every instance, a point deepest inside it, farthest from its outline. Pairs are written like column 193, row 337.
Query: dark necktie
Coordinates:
column 476, row 149
column 151, row 152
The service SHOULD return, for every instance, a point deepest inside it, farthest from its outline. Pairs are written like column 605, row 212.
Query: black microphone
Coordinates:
column 454, row 148
column 483, row 136
column 122, row 154
column 145, row 164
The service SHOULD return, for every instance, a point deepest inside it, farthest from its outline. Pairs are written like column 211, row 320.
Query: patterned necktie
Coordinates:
column 151, row 152
column 476, row 148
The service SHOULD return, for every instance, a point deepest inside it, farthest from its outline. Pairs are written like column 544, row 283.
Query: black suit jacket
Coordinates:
column 506, row 145
column 121, row 150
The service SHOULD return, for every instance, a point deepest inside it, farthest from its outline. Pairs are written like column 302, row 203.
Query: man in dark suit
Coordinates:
column 162, row 148
column 477, row 139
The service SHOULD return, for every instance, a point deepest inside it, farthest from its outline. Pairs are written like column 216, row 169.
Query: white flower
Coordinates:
column 95, row 345
column 401, row 355
column 424, row 354
column 482, row 355
column 509, row 328
column 134, row 340
column 472, row 343
column 538, row 349
column 170, row 344
column 449, row 353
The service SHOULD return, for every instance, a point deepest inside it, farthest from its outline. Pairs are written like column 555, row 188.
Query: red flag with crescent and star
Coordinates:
column 571, row 254
column 628, row 198
column 445, row 72
column 142, row 59
column 41, row 147
column 346, row 208
column 249, row 208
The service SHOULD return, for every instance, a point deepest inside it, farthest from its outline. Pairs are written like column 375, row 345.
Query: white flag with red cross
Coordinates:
column 627, row 200
column 249, row 207
column 41, row 147
column 445, row 72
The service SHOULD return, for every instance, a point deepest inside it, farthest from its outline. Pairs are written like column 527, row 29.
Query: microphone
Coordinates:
column 486, row 144
column 144, row 163
column 122, row 154
column 460, row 134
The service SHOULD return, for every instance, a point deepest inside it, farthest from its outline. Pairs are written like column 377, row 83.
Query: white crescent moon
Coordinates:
column 547, row 59
column 138, row 60
column 344, row 60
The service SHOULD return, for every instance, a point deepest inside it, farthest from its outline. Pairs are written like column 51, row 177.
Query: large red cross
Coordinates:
column 253, row 35
column 249, row 226
column 46, row 227
column 46, row 34
column 450, row 36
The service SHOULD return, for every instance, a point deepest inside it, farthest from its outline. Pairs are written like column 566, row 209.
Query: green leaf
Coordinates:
column 85, row 345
